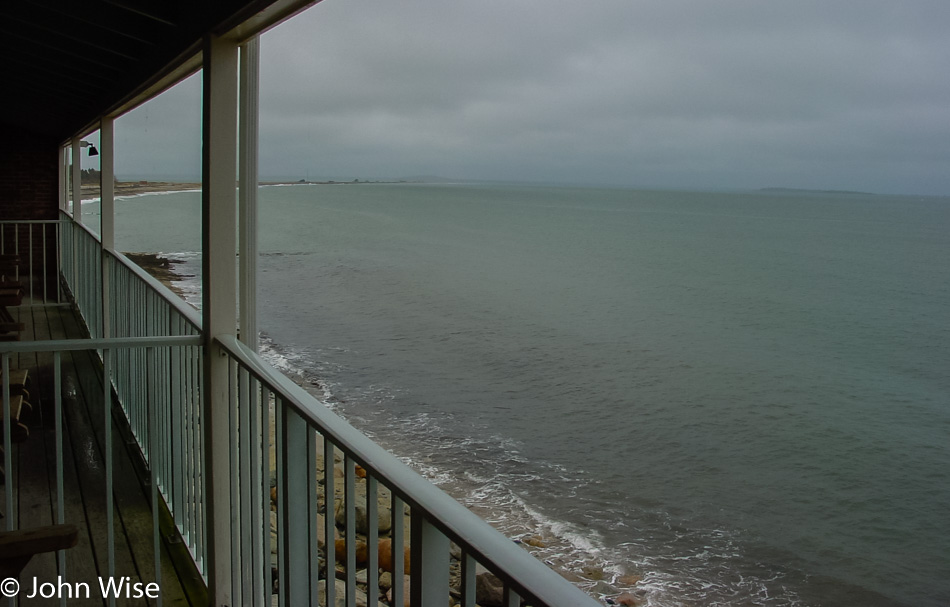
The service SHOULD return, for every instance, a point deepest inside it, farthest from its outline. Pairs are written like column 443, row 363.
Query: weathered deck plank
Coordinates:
column 84, row 480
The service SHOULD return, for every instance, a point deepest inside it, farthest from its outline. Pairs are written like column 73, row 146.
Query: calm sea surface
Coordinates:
column 742, row 397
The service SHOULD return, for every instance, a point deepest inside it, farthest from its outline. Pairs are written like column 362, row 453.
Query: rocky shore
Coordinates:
column 489, row 591
column 613, row 589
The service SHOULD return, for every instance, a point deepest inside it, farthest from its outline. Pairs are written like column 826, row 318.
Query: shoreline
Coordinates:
column 591, row 575
column 134, row 188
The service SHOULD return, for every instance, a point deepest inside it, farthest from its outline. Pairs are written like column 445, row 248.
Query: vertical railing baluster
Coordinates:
column 372, row 538
column 248, row 571
column 313, row 519
column 153, row 414
column 349, row 527
column 179, row 436
column 511, row 598
column 7, row 447
column 45, row 272
column 429, row 561
column 280, row 454
column 236, row 481
column 265, row 488
column 292, row 503
column 397, row 550
column 468, row 580
column 329, row 519
column 257, row 495
column 60, row 493
column 30, row 264
column 60, row 241
column 107, row 409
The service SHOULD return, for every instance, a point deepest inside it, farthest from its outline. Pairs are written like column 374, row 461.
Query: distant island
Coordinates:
column 804, row 191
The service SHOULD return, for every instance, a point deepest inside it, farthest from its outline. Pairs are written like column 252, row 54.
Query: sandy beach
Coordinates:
column 133, row 188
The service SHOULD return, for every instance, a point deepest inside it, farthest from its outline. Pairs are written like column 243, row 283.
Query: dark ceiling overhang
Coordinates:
column 66, row 64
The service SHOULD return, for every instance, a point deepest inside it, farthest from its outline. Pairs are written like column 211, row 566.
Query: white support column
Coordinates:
column 63, row 160
column 76, row 174
column 247, row 201
column 219, row 297
column 77, row 180
column 107, row 182
column 107, row 213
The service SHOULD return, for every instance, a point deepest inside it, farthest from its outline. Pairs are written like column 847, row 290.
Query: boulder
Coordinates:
column 405, row 592
column 631, row 579
column 535, row 540
column 384, row 517
column 489, row 591
column 603, row 588
column 386, row 556
column 362, row 553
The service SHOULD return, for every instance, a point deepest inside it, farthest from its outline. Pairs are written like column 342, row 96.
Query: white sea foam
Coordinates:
column 492, row 491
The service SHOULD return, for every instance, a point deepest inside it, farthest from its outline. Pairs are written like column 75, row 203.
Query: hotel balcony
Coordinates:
column 146, row 443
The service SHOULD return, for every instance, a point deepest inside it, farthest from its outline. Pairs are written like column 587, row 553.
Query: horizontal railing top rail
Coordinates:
column 32, row 221
column 511, row 563
column 75, row 345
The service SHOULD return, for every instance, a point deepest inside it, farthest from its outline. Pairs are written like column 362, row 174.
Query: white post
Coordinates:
column 107, row 182
column 106, row 212
column 63, row 161
column 77, row 214
column 219, row 297
column 247, row 201
column 77, row 180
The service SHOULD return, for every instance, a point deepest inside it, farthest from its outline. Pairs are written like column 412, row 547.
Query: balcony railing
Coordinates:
column 343, row 503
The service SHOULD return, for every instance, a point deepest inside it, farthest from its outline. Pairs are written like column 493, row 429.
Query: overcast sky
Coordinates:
column 830, row 94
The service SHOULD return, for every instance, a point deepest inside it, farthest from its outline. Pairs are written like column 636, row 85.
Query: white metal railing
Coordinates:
column 308, row 440
column 153, row 357
column 36, row 269
column 141, row 306
column 81, row 267
column 157, row 407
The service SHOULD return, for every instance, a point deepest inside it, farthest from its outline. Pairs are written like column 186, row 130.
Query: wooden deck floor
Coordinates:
column 84, row 475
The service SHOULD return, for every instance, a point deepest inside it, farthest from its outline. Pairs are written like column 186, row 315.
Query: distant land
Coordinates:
column 804, row 191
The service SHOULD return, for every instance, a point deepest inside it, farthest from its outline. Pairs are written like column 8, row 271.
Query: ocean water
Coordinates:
column 742, row 397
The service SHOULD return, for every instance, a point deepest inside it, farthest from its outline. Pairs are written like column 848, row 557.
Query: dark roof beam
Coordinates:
column 102, row 24
column 63, row 75
column 65, row 52
column 36, row 62
column 80, row 39
column 138, row 11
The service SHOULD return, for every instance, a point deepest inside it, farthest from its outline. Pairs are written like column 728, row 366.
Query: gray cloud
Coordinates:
column 680, row 93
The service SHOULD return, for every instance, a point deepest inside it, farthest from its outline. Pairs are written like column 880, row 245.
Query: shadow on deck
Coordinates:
column 34, row 478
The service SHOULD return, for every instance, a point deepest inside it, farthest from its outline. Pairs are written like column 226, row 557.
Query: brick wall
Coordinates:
column 29, row 186
column 29, row 176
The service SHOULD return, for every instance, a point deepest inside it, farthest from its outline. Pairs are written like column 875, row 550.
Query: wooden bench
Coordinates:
column 18, row 431
column 18, row 547
column 9, row 265
column 9, row 328
column 11, row 296
column 19, row 378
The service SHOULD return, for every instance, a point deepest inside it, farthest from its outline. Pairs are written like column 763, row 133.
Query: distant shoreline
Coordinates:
column 806, row 191
column 133, row 188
